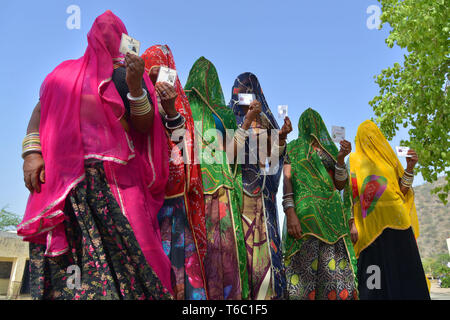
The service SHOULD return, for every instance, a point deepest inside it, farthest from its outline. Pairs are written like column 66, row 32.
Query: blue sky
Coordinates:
column 318, row 54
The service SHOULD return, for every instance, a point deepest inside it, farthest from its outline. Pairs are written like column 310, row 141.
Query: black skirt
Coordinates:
column 401, row 275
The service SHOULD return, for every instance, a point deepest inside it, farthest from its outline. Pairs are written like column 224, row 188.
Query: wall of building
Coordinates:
column 13, row 249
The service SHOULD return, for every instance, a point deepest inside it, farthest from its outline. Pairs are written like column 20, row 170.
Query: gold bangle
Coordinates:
column 140, row 108
column 31, row 143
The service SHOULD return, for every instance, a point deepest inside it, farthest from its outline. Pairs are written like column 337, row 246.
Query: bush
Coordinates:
column 445, row 282
column 437, row 267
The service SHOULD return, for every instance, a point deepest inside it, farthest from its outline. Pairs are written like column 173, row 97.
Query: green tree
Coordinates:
column 437, row 266
column 8, row 220
column 414, row 94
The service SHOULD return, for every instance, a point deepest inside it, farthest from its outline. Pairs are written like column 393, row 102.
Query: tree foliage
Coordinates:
column 415, row 94
column 8, row 220
column 437, row 267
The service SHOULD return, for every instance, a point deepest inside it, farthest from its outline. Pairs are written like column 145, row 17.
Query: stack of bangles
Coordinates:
column 139, row 106
column 240, row 136
column 340, row 173
column 407, row 179
column 174, row 123
column 31, row 143
column 288, row 201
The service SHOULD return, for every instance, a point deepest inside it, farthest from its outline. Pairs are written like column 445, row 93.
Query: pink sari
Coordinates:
column 80, row 119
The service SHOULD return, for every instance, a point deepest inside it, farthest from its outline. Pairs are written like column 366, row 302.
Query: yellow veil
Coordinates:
column 375, row 173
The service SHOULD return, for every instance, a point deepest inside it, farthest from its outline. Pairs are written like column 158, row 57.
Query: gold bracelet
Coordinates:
column 140, row 108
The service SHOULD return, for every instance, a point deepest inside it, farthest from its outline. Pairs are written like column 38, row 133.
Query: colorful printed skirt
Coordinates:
column 259, row 263
column 320, row 271
column 400, row 270
column 180, row 247
column 104, row 260
column 221, row 259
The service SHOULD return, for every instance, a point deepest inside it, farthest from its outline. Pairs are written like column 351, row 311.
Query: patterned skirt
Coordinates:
column 221, row 260
column 258, row 256
column 104, row 260
column 320, row 271
column 180, row 247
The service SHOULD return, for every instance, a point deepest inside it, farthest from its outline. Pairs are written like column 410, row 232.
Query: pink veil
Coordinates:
column 80, row 119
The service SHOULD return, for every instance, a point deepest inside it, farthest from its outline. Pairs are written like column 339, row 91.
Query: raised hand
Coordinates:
column 411, row 160
column 254, row 110
column 168, row 95
column 135, row 70
column 285, row 130
column 346, row 148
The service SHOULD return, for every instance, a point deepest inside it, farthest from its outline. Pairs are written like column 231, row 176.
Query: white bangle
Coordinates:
column 131, row 98
column 183, row 121
column 172, row 119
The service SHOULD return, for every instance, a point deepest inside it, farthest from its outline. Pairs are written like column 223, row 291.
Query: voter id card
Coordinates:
column 282, row 111
column 337, row 134
column 129, row 44
column 402, row 151
column 167, row 75
column 245, row 98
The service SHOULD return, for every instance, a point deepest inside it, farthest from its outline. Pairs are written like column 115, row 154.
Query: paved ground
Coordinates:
column 436, row 293
column 22, row 297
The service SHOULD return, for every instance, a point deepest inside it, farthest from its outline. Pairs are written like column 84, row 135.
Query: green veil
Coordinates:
column 319, row 206
column 205, row 96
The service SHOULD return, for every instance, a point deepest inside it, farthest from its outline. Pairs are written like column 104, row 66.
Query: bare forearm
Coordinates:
column 246, row 124
column 277, row 148
column 287, row 182
column 33, row 124
column 340, row 185
column 239, row 140
column 292, row 221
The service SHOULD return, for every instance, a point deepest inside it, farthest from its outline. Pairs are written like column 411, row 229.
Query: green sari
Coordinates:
column 318, row 205
column 205, row 96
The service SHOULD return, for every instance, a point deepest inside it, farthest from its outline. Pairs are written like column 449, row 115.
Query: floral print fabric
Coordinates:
column 101, row 244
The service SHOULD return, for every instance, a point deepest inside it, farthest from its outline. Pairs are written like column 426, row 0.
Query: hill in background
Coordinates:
column 434, row 220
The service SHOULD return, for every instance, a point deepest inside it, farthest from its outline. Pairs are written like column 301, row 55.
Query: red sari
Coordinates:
column 184, row 173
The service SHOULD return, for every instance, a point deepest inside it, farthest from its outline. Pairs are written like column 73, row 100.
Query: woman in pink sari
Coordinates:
column 96, row 178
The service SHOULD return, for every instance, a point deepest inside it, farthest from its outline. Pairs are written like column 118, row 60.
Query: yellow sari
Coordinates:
column 378, row 200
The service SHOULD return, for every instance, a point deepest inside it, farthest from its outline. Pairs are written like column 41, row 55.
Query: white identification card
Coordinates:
column 245, row 98
column 337, row 134
column 167, row 75
column 129, row 44
column 402, row 151
column 282, row 111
